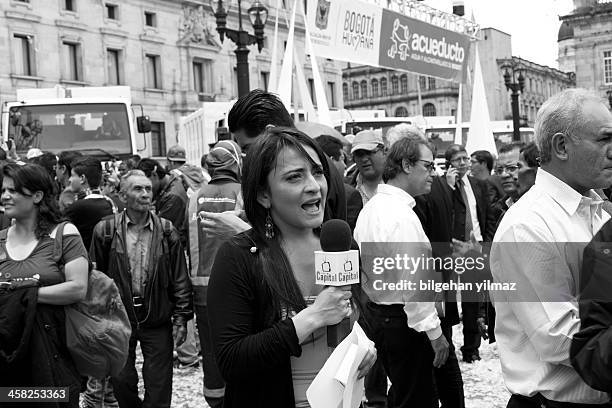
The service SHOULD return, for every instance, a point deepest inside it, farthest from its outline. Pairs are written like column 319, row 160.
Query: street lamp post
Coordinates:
column 258, row 14
column 516, row 85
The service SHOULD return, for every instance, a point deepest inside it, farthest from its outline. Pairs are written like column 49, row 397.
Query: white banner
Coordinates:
column 345, row 30
column 337, row 268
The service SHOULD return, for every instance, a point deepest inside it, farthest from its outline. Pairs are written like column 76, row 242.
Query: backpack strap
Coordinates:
column 110, row 227
column 58, row 249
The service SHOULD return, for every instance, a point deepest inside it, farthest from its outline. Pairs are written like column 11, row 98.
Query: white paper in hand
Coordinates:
column 336, row 385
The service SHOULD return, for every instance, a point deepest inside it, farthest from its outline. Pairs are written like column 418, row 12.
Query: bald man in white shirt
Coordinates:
column 535, row 324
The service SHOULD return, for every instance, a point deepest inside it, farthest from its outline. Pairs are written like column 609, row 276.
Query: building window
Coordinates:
column 158, row 139
column 150, row 19
column 69, row 5
column 394, row 85
column 355, row 90
column 331, row 86
column 429, row 109
column 345, row 91
column 401, row 112
column 265, row 80
column 153, row 71
column 311, row 91
column 383, row 87
column 364, row 89
column 432, row 83
column 72, row 61
column 375, row 87
column 422, row 83
column 608, row 67
column 24, row 59
column 404, row 83
column 22, row 1
column 112, row 11
column 113, row 60
column 202, row 76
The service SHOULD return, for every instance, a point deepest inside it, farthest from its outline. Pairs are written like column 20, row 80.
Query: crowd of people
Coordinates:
column 223, row 253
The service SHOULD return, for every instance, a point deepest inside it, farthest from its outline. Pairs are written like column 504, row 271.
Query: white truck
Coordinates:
column 96, row 121
column 200, row 129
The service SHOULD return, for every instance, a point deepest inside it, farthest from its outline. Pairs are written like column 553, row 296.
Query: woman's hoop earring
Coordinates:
column 269, row 226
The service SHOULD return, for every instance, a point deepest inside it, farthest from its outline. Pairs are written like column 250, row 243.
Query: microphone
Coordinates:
column 337, row 265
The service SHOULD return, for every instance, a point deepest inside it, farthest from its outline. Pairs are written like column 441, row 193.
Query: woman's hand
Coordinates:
column 333, row 304
column 368, row 361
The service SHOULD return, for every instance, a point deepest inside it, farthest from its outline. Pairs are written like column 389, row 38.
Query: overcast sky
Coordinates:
column 533, row 24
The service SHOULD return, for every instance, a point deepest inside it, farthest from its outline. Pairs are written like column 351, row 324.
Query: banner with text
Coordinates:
column 364, row 33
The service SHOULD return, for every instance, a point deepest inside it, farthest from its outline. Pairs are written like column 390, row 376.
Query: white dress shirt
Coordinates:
column 389, row 217
column 530, row 246
column 471, row 206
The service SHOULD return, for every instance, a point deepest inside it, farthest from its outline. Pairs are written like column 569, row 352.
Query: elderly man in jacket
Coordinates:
column 143, row 254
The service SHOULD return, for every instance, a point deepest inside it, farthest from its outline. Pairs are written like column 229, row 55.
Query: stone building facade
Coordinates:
column 585, row 44
column 167, row 51
column 398, row 93
column 541, row 82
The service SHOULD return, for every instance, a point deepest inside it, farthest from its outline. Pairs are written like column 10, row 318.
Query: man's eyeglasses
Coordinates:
column 429, row 165
column 510, row 168
column 460, row 160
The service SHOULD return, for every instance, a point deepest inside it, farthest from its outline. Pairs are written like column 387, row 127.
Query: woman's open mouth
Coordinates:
column 312, row 206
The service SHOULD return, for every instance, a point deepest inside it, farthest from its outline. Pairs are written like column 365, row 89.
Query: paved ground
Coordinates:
column 483, row 384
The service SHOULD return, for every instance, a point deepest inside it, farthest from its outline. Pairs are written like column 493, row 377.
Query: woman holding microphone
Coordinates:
column 268, row 317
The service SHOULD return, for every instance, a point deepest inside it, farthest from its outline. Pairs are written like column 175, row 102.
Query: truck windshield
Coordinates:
column 55, row 128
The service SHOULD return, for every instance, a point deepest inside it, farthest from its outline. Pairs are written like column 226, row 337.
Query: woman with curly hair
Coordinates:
column 28, row 259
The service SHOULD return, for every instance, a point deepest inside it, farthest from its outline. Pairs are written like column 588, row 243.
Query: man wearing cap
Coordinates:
column 221, row 194
column 369, row 156
column 177, row 156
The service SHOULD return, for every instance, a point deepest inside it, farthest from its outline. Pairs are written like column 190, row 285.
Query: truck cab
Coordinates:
column 97, row 121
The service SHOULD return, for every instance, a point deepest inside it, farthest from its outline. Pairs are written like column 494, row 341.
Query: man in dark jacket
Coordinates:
column 446, row 216
column 591, row 349
column 143, row 254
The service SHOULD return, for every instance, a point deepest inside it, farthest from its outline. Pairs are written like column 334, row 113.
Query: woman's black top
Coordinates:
column 253, row 345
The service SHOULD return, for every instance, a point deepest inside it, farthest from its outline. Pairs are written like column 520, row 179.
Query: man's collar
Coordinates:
column 562, row 193
column 148, row 223
column 396, row 192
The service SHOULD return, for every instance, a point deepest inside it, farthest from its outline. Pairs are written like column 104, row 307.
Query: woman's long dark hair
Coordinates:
column 261, row 160
column 33, row 178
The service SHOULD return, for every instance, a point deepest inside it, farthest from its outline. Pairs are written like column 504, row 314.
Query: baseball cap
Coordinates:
column 367, row 140
column 177, row 153
column 33, row 153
